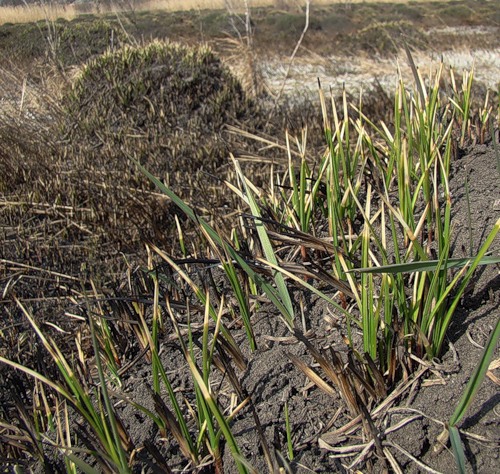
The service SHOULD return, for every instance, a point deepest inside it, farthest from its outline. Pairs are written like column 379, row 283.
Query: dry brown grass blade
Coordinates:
column 16, row 438
column 377, row 377
column 363, row 456
column 402, row 424
column 361, row 377
column 28, row 428
column 236, row 356
column 335, row 371
column 420, row 464
column 291, row 235
column 245, row 397
column 312, row 375
column 169, row 419
column 333, row 437
column 37, row 269
column 481, row 439
column 493, row 365
column 392, row 461
column 132, row 317
column 306, row 240
column 269, row 142
column 126, row 440
column 372, row 430
column 332, row 444
column 414, row 70
column 397, row 392
column 346, row 383
column 344, row 451
column 155, row 453
column 312, row 271
column 336, row 443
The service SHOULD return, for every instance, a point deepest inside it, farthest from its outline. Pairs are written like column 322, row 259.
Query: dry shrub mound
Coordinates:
column 163, row 104
column 81, row 40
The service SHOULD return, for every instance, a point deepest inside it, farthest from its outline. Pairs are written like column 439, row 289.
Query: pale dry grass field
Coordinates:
column 365, row 73
column 25, row 14
column 47, row 10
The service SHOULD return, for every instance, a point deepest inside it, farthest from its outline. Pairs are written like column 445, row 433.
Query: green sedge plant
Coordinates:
column 364, row 167
column 383, row 191
column 94, row 405
column 470, row 391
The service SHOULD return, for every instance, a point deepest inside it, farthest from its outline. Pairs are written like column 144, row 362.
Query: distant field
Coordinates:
column 47, row 10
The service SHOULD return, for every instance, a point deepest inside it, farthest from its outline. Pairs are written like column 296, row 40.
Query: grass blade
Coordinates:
column 477, row 377
column 221, row 420
column 266, row 244
column 288, row 434
column 458, row 450
column 427, row 266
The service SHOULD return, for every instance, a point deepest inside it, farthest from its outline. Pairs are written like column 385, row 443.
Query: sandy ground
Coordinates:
column 364, row 72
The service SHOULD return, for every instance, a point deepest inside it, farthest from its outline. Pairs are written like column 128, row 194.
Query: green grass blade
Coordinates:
column 266, row 244
column 178, row 412
column 221, row 420
column 82, row 465
column 288, row 434
column 196, row 289
column 310, row 287
column 77, row 395
column 458, row 450
column 477, row 377
column 242, row 299
column 40, row 377
column 445, row 321
column 158, row 366
column 426, row 266
column 268, row 289
column 114, row 441
column 156, row 420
